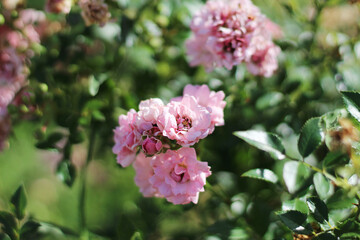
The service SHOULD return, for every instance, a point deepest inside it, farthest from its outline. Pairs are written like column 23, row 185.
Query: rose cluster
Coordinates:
column 228, row 33
column 157, row 140
column 18, row 36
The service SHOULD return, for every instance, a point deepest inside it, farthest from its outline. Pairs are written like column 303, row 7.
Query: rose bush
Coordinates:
column 240, row 119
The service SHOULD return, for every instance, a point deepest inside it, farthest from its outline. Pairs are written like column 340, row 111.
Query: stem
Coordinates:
column 82, row 196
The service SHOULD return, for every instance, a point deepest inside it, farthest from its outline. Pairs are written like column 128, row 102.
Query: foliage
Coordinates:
column 286, row 165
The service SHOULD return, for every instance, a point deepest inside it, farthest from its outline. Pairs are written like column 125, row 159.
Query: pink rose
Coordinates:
column 263, row 55
column 127, row 139
column 224, row 30
column 151, row 146
column 58, row 6
column 12, row 77
column 179, row 176
column 209, row 99
column 144, row 172
column 186, row 121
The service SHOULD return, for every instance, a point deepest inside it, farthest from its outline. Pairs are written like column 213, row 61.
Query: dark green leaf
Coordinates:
column 352, row 103
column 322, row 185
column 29, row 229
column 318, row 209
column 66, row 172
column 9, row 223
column 349, row 228
column 335, row 158
column 311, row 137
column 267, row 142
column 325, row 236
column 18, row 201
column 295, row 221
column 4, row 236
column 262, row 174
column 50, row 141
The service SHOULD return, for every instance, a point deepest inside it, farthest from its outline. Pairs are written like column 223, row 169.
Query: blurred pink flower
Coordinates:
column 5, row 127
column 209, row 99
column 12, row 77
column 263, row 56
column 222, row 32
column 58, row 6
column 144, row 172
column 273, row 28
column 179, row 176
column 12, row 38
column 127, row 139
column 94, row 12
column 185, row 121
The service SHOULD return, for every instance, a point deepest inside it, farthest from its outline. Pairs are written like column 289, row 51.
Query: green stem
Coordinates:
column 82, row 196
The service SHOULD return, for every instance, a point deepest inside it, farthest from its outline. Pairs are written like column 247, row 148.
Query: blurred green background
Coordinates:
column 141, row 54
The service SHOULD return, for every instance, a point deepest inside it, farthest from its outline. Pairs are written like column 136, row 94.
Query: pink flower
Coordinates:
column 58, row 6
column 223, row 31
column 12, row 77
column 179, row 176
column 150, row 110
column 210, row 99
column 263, row 57
column 151, row 146
column 5, row 127
column 144, row 172
column 127, row 139
column 186, row 121
column 94, row 11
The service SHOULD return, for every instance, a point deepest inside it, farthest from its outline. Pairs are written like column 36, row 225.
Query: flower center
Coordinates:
column 183, row 123
column 180, row 174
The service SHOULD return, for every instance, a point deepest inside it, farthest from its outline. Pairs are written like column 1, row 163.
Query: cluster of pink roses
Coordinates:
column 167, row 166
column 15, row 49
column 227, row 33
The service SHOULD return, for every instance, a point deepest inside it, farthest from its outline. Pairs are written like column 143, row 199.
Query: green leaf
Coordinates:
column 238, row 234
column 4, row 236
column 318, row 209
column 50, row 141
column 267, row 142
column 340, row 200
column 322, row 185
column 295, row 204
column 348, row 228
column 262, row 174
column 66, row 172
column 18, row 202
column 352, row 103
column 295, row 221
column 294, row 175
column 29, row 229
column 325, row 236
column 9, row 223
column 335, row 158
column 95, row 83
column 136, row 236
column 311, row 136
